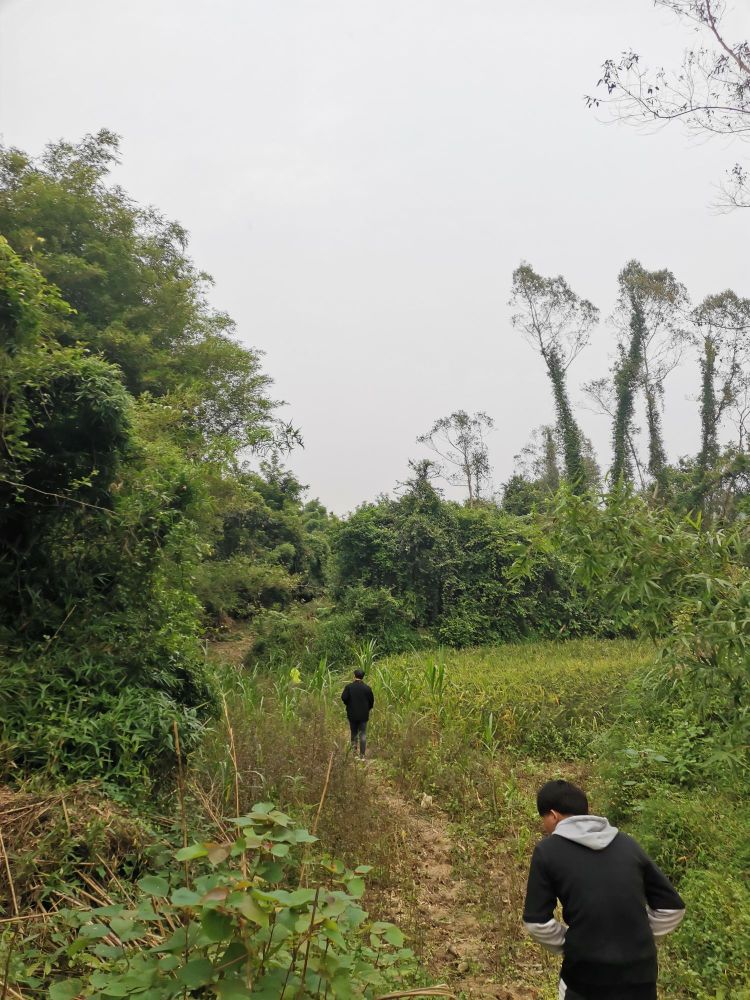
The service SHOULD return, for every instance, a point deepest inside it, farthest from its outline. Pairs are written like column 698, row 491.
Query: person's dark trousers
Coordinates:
column 359, row 734
column 640, row 991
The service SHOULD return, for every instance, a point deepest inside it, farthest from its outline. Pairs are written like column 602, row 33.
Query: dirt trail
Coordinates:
column 232, row 645
column 458, row 942
column 445, row 911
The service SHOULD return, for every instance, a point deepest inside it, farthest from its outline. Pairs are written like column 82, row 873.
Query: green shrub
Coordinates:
column 248, row 925
column 282, row 637
column 689, row 831
column 78, row 717
column 305, row 635
column 238, row 586
column 709, row 956
column 454, row 569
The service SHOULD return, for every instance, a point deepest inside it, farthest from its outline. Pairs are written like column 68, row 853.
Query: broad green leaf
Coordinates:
column 233, row 989
column 271, row 871
column 93, row 931
column 341, row 986
column 331, row 931
column 117, row 988
column 303, row 837
column 198, row 972
column 185, row 897
column 300, row 897
column 121, row 925
column 334, row 907
column 356, row 887
column 65, row 989
column 216, row 926
column 394, row 936
column 146, row 911
column 191, row 852
column 154, row 885
column 234, row 955
column 174, row 943
column 217, row 852
column 244, row 903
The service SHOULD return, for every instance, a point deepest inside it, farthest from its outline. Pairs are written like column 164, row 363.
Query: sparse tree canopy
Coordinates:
column 557, row 324
column 722, row 335
column 650, row 317
column 553, row 319
column 709, row 92
column 459, row 440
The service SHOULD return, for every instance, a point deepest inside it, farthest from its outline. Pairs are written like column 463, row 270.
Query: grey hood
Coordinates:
column 594, row 832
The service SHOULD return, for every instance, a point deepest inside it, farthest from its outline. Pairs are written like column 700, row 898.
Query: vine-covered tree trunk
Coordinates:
column 709, row 447
column 551, row 474
column 575, row 469
column 657, row 460
column 626, row 381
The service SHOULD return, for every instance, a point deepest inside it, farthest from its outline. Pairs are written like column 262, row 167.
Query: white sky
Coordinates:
column 361, row 177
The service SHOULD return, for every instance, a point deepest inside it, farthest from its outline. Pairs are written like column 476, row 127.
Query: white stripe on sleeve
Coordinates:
column 550, row 935
column 663, row 921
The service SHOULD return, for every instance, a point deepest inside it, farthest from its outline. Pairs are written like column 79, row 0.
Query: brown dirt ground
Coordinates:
column 455, row 937
column 463, row 924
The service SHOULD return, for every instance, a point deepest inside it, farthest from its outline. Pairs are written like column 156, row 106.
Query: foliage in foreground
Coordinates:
column 262, row 921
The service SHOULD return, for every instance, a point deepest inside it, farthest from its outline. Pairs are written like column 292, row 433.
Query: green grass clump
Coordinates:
column 540, row 698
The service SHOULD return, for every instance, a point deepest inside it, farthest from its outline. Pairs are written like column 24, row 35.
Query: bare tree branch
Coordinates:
column 709, row 92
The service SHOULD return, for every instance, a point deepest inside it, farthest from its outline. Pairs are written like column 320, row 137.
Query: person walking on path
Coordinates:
column 359, row 699
column 615, row 902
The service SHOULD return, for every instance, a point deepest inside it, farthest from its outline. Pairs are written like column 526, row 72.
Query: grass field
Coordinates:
column 477, row 731
column 543, row 697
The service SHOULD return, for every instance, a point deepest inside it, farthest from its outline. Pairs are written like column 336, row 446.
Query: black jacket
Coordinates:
column 604, row 893
column 359, row 699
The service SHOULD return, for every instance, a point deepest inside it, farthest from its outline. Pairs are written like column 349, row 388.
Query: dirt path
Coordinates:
column 458, row 902
column 457, row 940
column 232, row 645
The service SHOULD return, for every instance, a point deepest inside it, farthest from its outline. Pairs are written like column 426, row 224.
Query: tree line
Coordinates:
column 144, row 496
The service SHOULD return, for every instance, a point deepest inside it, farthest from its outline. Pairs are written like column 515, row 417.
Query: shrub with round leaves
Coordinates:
column 257, row 921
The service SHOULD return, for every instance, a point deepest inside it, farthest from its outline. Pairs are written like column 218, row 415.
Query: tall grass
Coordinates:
column 543, row 698
column 479, row 730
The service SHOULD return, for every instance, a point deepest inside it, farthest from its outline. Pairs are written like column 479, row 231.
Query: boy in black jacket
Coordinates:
column 615, row 901
column 359, row 699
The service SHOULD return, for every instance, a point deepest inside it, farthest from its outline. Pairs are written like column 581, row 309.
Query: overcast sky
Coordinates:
column 361, row 177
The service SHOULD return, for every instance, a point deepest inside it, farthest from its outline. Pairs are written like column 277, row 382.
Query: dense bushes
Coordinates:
column 419, row 571
column 655, row 778
column 451, row 568
column 122, row 416
column 686, row 585
column 307, row 634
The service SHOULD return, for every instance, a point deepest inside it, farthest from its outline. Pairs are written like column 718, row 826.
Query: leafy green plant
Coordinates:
column 684, row 584
column 263, row 922
column 365, row 654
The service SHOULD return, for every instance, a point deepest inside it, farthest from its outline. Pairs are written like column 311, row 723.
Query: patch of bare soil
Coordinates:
column 457, row 941
column 232, row 643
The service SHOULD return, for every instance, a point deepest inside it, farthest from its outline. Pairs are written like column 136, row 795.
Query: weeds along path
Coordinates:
column 458, row 941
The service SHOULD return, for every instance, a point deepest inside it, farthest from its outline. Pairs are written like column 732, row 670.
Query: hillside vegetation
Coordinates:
column 179, row 814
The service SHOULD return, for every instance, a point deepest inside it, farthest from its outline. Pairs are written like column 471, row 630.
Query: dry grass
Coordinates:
column 286, row 760
column 73, row 834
